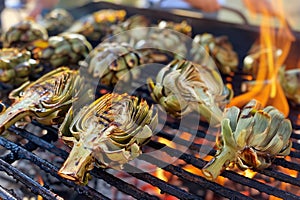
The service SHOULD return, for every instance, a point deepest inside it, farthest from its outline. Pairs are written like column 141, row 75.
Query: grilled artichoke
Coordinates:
column 64, row 49
column 290, row 82
column 16, row 66
column 57, row 21
column 218, row 48
column 107, row 133
column 111, row 62
column 182, row 27
column 47, row 99
column 154, row 43
column 251, row 138
column 182, row 87
column 22, row 34
column 97, row 25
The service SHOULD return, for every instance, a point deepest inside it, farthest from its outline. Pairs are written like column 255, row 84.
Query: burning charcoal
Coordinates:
column 111, row 62
column 47, row 99
column 290, row 82
column 22, row 34
column 251, row 138
column 16, row 66
column 63, row 49
column 182, row 87
column 57, row 21
column 219, row 48
column 107, row 133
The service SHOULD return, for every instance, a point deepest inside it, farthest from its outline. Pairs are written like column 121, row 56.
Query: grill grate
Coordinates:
column 45, row 142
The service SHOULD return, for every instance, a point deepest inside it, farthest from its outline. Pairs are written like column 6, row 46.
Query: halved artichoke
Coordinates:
column 111, row 62
column 219, row 48
column 107, row 133
column 23, row 33
column 57, row 21
column 183, row 86
column 251, row 138
column 47, row 99
column 64, row 49
column 16, row 66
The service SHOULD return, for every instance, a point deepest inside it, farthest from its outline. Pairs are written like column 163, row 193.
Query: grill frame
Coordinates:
column 25, row 151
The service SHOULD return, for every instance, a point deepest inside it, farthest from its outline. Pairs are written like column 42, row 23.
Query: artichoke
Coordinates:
column 16, row 66
column 47, row 99
column 111, row 62
column 64, row 49
column 219, row 48
column 97, row 25
column 183, row 86
column 135, row 21
column 23, row 33
column 107, row 133
column 57, row 21
column 182, row 27
column 251, row 138
column 156, row 44
column 290, row 82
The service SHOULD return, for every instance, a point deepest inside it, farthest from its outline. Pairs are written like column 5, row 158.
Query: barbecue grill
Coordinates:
column 30, row 145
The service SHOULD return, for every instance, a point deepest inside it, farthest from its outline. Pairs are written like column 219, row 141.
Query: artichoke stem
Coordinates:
column 214, row 168
column 80, row 161
column 13, row 114
column 213, row 114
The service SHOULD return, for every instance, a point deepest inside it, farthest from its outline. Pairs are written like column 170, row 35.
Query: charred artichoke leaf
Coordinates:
column 47, row 99
column 250, row 138
column 107, row 133
column 183, row 86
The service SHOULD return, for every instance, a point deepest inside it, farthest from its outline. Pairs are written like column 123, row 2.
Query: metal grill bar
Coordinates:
column 6, row 195
column 22, row 153
column 119, row 184
column 122, row 185
column 228, row 174
column 162, row 185
column 178, row 171
column 35, row 187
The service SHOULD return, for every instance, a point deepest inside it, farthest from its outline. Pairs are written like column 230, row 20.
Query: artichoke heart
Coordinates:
column 16, row 66
column 219, row 48
column 46, row 100
column 250, row 138
column 183, row 86
column 107, row 133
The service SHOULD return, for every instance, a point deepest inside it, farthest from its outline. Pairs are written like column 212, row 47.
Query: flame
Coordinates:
column 269, row 92
column 41, row 182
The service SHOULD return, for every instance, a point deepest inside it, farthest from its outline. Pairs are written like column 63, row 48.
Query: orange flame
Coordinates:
column 269, row 92
column 41, row 182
